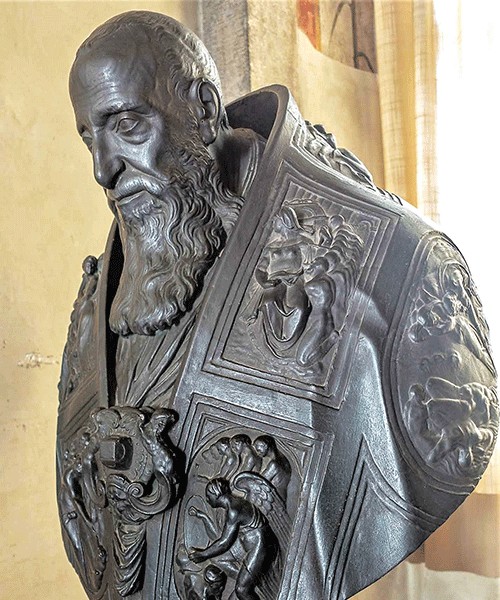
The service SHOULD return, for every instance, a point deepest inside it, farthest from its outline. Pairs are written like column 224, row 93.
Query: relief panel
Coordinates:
column 252, row 482
column 300, row 311
column 120, row 467
column 442, row 372
column 79, row 385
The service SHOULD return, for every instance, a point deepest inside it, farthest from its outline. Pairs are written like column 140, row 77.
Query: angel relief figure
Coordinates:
column 306, row 277
column 277, row 469
column 248, row 541
column 245, row 523
column 237, row 527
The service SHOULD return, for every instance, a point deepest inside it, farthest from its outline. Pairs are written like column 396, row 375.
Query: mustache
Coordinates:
column 136, row 184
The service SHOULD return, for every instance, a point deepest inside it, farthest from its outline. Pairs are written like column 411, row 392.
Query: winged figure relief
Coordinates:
column 252, row 536
column 237, row 527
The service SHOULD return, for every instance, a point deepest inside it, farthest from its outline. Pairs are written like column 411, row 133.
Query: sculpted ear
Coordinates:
column 205, row 100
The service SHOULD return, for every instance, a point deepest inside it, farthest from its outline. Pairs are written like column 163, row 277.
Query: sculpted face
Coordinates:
column 211, row 498
column 118, row 116
column 263, row 445
column 261, row 448
column 159, row 179
column 223, row 447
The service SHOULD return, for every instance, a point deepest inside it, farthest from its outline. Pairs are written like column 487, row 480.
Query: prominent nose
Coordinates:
column 108, row 163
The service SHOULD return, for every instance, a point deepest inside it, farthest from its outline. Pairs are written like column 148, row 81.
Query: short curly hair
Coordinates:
column 218, row 487
column 179, row 53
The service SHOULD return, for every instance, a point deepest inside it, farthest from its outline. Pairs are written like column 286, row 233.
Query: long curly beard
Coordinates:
column 170, row 241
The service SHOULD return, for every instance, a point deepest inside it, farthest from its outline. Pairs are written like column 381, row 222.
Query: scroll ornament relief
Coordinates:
column 122, row 464
column 305, row 278
column 452, row 423
column 236, row 524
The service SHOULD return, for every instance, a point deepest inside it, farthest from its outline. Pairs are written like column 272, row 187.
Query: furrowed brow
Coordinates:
column 117, row 108
column 114, row 108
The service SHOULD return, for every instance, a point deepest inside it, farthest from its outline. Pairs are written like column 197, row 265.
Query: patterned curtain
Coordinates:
column 406, row 55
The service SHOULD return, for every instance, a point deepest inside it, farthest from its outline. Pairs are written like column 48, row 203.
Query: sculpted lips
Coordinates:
column 128, row 191
column 128, row 199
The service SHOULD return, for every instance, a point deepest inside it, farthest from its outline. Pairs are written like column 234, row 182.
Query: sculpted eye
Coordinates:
column 87, row 140
column 126, row 125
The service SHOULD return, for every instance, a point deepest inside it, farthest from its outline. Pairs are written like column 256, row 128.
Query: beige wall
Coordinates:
column 343, row 99
column 52, row 216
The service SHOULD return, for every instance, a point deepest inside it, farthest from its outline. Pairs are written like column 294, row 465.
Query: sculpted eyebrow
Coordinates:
column 113, row 109
column 119, row 107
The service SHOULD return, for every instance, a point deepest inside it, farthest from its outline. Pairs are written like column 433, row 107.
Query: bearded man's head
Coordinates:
column 147, row 101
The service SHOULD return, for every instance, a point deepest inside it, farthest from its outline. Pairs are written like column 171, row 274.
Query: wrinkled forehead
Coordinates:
column 115, row 65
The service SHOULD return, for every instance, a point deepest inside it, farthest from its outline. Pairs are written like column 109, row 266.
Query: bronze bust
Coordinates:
column 277, row 380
